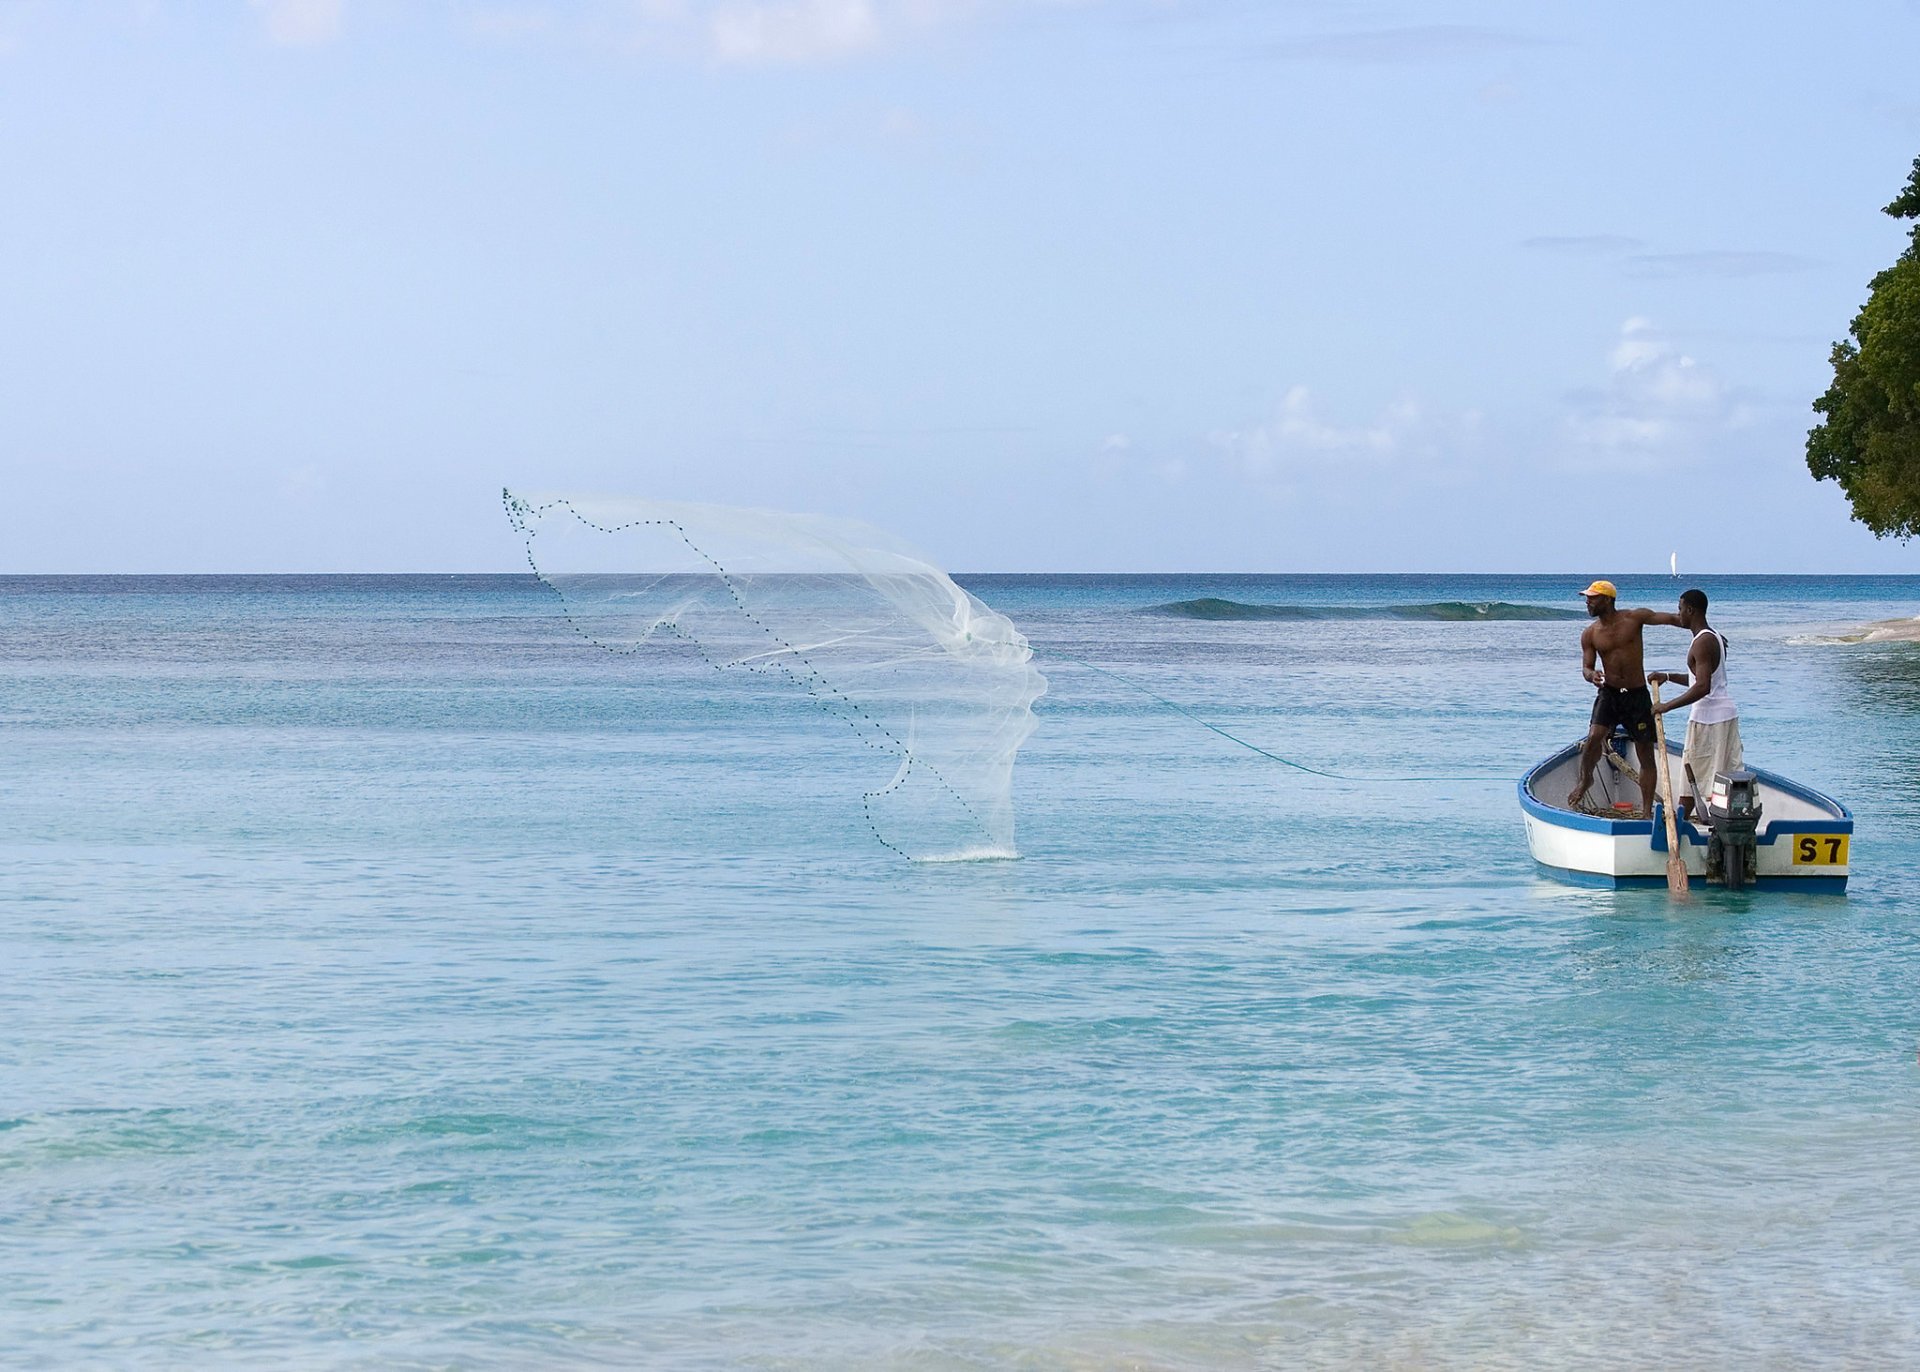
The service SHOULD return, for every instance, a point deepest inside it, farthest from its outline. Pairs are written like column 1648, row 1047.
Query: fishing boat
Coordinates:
column 1759, row 829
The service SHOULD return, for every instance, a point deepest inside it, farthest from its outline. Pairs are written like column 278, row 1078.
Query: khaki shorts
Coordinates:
column 1710, row 748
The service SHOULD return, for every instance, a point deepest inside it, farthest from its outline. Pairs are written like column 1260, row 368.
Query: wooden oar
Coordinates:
column 1676, row 865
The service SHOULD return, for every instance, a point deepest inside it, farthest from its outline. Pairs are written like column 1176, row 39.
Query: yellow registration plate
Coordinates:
column 1820, row 850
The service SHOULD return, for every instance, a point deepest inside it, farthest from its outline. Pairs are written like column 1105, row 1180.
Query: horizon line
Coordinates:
column 1163, row 572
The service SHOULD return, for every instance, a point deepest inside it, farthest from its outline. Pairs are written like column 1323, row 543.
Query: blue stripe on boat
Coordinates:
column 1812, row 886
column 1656, row 831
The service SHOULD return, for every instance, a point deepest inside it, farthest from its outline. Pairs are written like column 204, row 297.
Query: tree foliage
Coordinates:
column 1869, row 438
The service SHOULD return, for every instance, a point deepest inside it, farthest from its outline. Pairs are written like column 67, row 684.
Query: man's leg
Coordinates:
column 1589, row 759
column 1649, row 774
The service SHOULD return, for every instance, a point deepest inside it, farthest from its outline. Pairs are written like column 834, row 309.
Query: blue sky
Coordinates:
column 298, row 285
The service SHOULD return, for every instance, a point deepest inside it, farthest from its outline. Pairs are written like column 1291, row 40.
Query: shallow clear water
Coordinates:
column 388, row 979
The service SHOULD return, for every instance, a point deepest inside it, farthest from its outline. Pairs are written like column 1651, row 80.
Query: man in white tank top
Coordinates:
column 1713, row 726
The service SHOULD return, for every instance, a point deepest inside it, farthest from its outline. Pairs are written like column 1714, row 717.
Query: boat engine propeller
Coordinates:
column 1732, row 818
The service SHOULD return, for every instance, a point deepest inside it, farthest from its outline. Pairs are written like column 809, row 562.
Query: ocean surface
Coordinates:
column 389, row 979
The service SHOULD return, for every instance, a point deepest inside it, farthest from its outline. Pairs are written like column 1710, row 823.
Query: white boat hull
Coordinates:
column 1804, row 842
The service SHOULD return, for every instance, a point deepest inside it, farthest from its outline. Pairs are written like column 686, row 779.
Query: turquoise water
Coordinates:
column 391, row 980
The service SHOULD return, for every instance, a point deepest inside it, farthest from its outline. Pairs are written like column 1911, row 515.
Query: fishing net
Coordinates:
column 871, row 630
column 1606, row 806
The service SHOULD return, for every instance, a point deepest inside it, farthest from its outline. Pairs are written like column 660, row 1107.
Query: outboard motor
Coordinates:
column 1732, row 817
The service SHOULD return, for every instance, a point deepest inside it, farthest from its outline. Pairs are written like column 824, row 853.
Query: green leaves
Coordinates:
column 1869, row 437
column 1906, row 205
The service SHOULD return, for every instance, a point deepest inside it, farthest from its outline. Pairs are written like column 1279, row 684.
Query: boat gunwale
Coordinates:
column 1842, row 823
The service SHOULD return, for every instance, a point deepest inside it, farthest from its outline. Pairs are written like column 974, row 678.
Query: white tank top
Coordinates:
column 1716, row 706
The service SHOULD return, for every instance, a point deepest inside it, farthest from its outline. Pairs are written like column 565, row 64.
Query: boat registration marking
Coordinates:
column 1820, row 850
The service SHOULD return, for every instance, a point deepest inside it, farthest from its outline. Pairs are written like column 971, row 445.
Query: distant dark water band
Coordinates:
column 1209, row 607
column 1180, row 709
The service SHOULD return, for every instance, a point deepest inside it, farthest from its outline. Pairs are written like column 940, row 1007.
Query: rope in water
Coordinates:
column 1180, row 709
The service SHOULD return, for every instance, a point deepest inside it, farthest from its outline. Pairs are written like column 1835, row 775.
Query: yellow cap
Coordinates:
column 1604, row 588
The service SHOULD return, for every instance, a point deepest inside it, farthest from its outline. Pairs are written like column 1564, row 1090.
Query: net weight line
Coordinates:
column 1208, row 724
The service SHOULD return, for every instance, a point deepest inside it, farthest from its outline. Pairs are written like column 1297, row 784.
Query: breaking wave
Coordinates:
column 1465, row 611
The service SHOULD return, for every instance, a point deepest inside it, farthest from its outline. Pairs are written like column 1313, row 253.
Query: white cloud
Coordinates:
column 894, row 130
column 768, row 33
column 1658, row 405
column 301, row 23
column 503, row 24
column 1415, row 43
column 787, row 32
column 1297, row 441
column 730, row 33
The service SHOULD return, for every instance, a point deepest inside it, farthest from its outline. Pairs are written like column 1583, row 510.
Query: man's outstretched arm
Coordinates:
column 1657, row 617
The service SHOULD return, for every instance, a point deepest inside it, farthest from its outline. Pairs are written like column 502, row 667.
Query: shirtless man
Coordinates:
column 1621, row 676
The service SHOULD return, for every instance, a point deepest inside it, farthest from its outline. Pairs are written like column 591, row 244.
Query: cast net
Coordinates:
column 872, row 631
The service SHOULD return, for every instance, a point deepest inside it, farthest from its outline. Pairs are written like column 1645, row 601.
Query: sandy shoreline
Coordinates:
column 1879, row 631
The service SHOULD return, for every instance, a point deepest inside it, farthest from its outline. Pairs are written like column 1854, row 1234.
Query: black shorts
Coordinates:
column 1630, row 707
